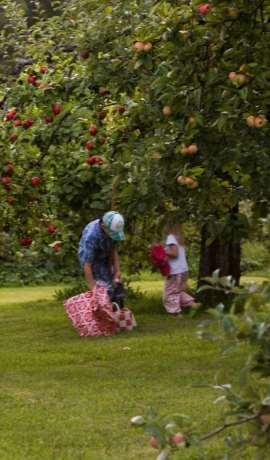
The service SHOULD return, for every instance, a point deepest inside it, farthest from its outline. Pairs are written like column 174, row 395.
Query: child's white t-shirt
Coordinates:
column 177, row 264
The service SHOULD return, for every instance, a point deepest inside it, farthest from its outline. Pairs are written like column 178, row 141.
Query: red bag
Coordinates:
column 159, row 258
column 91, row 313
column 124, row 319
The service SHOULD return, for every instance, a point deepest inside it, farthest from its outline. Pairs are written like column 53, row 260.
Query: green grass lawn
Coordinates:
column 69, row 398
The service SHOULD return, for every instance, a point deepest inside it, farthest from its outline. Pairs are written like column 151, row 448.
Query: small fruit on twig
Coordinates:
column 251, row 121
column 10, row 199
column 28, row 123
column 93, row 130
column 154, row 442
column 13, row 137
column 52, row 228
column 147, row 47
column 89, row 145
column 204, row 9
column 56, row 108
column 11, row 114
column 260, row 121
column 6, row 181
column 48, row 119
column 94, row 160
column 26, row 241
column 178, row 439
column 192, row 149
column 17, row 122
column 44, row 69
column 256, row 121
column 32, row 79
column 138, row 46
column 36, row 181
column 167, row 110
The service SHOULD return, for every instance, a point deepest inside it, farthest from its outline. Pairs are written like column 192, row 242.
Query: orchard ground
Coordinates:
column 68, row 398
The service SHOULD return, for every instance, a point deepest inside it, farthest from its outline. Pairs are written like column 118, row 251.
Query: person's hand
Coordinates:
column 117, row 277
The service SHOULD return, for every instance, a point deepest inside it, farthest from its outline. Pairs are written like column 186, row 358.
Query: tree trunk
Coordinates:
column 224, row 253
column 47, row 6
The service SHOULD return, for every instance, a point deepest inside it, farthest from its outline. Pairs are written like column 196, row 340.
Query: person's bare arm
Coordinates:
column 87, row 268
column 171, row 250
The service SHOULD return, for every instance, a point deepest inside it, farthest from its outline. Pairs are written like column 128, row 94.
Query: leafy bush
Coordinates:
column 247, row 407
column 255, row 256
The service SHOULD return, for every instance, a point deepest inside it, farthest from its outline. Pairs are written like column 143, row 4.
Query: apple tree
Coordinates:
column 194, row 78
column 178, row 94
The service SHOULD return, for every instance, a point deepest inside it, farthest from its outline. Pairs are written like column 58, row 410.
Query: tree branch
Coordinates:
column 229, row 425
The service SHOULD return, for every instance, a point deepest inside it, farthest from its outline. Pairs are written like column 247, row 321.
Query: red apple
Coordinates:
column 17, row 122
column 204, row 9
column 32, row 79
column 28, row 123
column 13, row 137
column 94, row 160
column 89, row 145
column 9, row 168
column 121, row 109
column 154, row 442
column 178, row 439
column 26, row 241
column 93, row 130
column 10, row 199
column 56, row 108
column 6, row 181
column 52, row 228
column 11, row 114
column 36, row 181
column 57, row 248
column 44, row 69
column 232, row 76
column 48, row 119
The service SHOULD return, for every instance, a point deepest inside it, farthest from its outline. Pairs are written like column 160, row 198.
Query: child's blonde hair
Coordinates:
column 177, row 230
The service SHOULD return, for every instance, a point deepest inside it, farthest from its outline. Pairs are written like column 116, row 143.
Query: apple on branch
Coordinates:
column 178, row 439
column 204, row 8
column 93, row 130
column 56, row 108
column 36, row 181
column 167, row 110
column 11, row 114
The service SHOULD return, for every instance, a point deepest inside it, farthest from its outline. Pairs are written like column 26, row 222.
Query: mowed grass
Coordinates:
column 69, row 398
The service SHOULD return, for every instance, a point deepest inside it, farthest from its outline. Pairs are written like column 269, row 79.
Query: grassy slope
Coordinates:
column 67, row 398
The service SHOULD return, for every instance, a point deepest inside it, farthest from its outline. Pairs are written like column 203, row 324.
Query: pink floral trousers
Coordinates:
column 174, row 296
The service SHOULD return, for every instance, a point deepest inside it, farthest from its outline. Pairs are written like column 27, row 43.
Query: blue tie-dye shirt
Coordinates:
column 96, row 247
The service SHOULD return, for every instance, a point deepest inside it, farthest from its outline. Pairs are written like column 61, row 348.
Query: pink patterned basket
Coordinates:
column 91, row 313
column 125, row 319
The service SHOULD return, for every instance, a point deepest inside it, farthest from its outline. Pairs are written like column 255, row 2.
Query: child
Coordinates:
column 174, row 296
